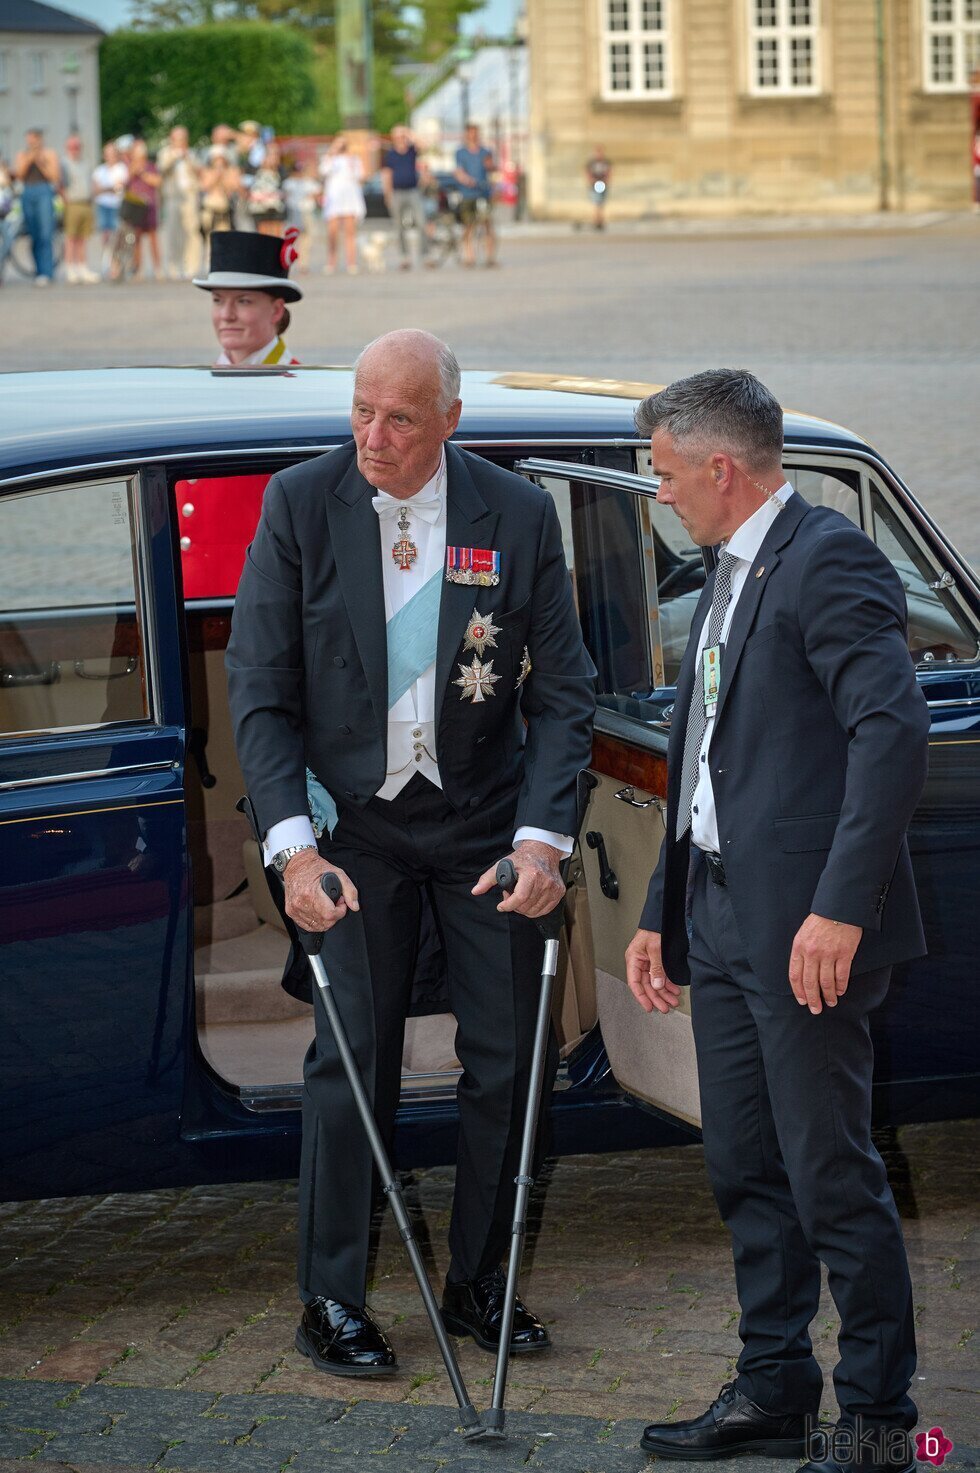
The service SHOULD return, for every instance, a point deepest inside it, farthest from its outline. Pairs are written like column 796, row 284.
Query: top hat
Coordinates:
column 251, row 262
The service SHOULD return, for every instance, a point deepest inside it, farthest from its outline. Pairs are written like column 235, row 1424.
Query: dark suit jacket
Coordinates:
column 307, row 659
column 818, row 754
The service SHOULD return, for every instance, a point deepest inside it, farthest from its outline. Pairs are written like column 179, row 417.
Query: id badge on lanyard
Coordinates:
column 711, row 676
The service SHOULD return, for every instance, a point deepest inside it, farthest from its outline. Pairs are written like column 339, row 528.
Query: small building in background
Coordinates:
column 714, row 107
column 491, row 89
column 49, row 76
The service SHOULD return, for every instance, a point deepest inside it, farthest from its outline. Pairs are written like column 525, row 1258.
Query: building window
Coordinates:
column 784, row 39
column 636, row 49
column 952, row 44
column 36, row 65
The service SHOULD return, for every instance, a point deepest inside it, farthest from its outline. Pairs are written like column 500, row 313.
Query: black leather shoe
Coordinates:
column 849, row 1448
column 476, row 1308
column 730, row 1426
column 344, row 1340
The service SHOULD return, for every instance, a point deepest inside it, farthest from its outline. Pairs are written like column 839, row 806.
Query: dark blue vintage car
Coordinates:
column 145, row 1039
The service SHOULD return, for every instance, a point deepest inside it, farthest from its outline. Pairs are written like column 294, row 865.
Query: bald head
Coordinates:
column 416, row 354
column 406, row 404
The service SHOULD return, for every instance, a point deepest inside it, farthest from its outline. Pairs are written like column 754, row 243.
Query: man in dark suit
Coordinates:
column 405, row 634
column 784, row 895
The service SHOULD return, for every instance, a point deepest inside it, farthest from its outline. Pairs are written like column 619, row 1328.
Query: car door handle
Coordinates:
column 48, row 674
column 608, row 881
column 628, row 795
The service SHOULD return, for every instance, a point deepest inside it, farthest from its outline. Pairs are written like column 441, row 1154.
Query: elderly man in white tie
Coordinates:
column 412, row 702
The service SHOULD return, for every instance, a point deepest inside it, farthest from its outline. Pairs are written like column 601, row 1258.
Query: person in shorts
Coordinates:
column 474, row 176
column 76, row 189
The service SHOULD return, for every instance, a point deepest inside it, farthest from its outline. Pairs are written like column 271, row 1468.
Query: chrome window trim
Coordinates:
column 145, row 594
column 55, row 779
column 133, row 463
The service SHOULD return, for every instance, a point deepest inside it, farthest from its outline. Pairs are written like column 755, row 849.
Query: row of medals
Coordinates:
column 477, row 680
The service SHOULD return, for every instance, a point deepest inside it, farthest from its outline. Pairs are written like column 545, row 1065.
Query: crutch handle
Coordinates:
column 312, row 941
column 549, row 925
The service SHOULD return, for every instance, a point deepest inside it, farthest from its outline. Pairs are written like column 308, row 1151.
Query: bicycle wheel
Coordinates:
column 123, row 263
column 21, row 255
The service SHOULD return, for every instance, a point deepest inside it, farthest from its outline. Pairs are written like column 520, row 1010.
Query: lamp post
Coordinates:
column 464, row 54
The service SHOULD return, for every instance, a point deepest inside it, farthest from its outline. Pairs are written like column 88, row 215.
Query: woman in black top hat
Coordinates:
column 249, row 285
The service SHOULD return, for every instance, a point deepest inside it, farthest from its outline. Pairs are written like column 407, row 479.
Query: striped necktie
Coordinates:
column 697, row 720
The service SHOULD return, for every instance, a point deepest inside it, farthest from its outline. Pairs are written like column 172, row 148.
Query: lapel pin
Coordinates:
column 760, row 570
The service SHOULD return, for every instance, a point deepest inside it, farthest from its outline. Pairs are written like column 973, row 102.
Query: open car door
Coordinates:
column 636, row 580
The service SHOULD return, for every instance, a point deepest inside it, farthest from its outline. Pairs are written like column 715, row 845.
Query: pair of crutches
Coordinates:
column 491, row 1427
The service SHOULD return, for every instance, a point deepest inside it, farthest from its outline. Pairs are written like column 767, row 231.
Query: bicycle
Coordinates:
column 15, row 243
column 124, row 260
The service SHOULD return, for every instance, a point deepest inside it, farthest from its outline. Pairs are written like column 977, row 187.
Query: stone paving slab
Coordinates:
column 58, row 1426
column 157, row 1330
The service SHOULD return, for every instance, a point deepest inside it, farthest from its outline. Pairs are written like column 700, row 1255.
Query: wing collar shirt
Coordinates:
column 744, row 545
column 412, row 719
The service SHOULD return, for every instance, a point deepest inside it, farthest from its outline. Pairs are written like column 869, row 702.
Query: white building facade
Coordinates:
column 49, row 77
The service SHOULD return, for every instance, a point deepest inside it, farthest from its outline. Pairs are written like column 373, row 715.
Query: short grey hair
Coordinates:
column 446, row 361
column 722, row 409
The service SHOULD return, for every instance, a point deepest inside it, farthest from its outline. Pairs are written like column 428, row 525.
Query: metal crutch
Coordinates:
column 311, row 943
column 550, row 928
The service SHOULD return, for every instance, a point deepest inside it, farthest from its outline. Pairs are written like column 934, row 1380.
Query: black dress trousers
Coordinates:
column 390, row 849
column 786, row 1112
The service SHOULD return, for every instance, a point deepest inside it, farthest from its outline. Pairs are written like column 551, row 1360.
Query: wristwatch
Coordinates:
column 280, row 860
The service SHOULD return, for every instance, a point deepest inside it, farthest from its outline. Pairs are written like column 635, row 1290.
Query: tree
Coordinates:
column 205, row 75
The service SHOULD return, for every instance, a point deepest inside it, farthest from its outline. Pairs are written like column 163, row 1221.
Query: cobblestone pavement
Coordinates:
column 876, row 328
column 156, row 1330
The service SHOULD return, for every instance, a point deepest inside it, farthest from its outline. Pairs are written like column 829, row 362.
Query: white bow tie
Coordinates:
column 426, row 508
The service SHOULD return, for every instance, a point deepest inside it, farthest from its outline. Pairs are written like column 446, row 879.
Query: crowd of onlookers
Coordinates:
column 173, row 199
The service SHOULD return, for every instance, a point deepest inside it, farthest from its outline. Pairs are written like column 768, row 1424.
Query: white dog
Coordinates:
column 373, row 251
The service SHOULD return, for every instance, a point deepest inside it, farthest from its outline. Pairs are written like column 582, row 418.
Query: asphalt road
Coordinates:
column 877, row 329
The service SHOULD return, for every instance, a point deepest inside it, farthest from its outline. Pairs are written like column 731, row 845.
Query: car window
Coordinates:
column 839, row 489
column 680, row 564
column 71, row 643
column 938, row 628
column 603, row 552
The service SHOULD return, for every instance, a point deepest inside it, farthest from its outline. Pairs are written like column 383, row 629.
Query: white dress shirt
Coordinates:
column 412, row 719
column 744, row 545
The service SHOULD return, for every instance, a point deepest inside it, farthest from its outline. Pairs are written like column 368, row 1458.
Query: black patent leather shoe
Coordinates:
column 476, row 1308
column 849, row 1448
column 344, row 1340
column 731, row 1425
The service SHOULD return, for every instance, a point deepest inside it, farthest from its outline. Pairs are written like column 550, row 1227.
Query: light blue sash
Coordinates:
column 413, row 636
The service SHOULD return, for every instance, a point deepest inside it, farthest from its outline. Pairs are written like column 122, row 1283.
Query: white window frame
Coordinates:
column 784, row 33
column 635, row 37
column 957, row 29
column 38, row 60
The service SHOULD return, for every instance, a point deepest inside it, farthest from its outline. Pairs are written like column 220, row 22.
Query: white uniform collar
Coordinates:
column 252, row 361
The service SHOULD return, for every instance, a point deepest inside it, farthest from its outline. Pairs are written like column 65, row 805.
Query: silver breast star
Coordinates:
column 480, row 632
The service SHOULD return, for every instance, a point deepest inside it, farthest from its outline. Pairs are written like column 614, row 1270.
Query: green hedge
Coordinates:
column 152, row 80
